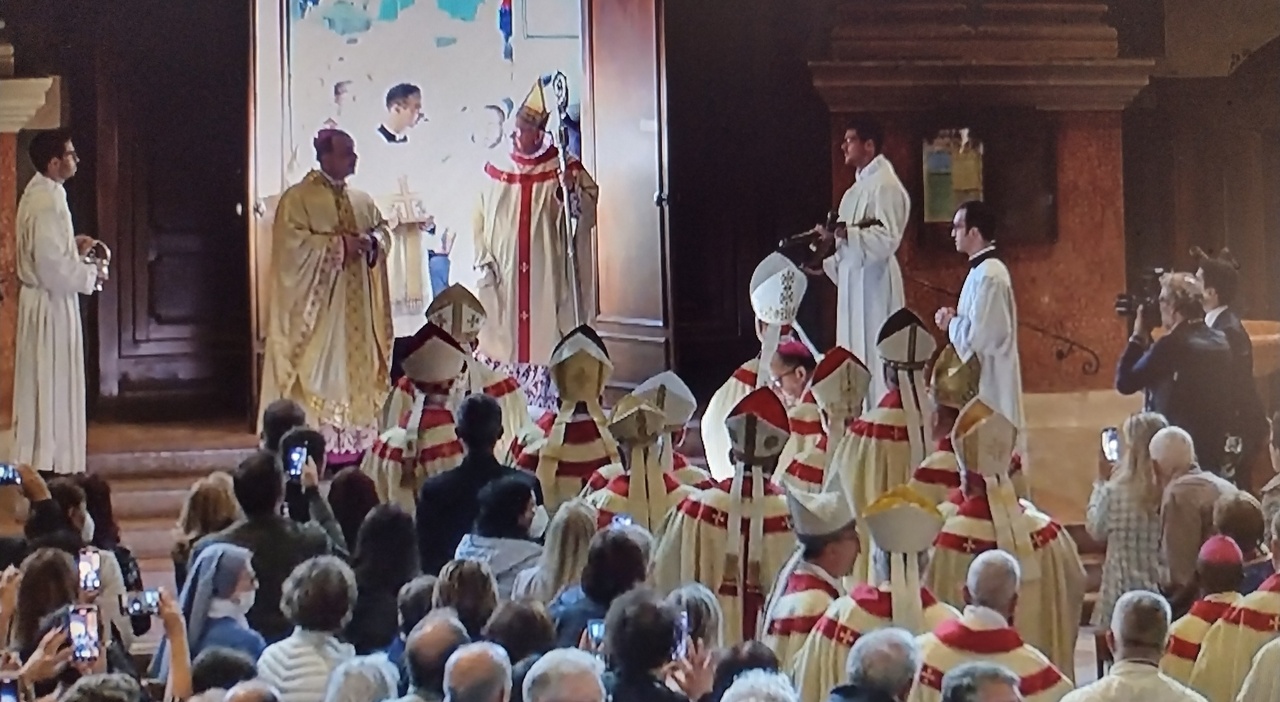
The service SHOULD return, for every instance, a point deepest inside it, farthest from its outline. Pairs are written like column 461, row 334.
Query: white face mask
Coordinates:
column 538, row 526
column 244, row 601
column 87, row 528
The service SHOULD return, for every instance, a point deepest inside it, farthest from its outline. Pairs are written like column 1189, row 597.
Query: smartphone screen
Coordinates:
column 9, row 474
column 620, row 520
column 9, row 689
column 90, row 569
column 682, row 636
column 297, row 461
column 144, row 603
column 595, row 632
column 82, row 629
column 1111, row 444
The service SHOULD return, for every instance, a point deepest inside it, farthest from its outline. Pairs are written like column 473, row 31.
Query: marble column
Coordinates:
column 25, row 103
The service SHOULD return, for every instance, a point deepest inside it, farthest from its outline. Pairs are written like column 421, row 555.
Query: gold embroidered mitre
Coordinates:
column 458, row 312
column 954, row 382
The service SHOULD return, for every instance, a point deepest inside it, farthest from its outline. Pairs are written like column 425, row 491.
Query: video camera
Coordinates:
column 1147, row 297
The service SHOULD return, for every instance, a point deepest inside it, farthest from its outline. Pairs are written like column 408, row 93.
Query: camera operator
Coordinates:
column 1220, row 278
column 1187, row 373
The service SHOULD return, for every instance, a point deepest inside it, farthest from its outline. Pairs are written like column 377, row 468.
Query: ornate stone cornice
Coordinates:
column 30, row 103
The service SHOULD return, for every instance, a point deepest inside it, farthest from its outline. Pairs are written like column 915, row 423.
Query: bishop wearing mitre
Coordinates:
column 521, row 248
column 642, row 491
column 824, row 526
column 563, row 448
column 667, row 392
column 902, row 524
column 734, row 537
column 953, row 383
column 777, row 288
column 1051, row 590
column 891, row 436
column 984, row 633
column 329, row 330
column 419, row 440
column 1219, row 572
column 461, row 315
column 1232, row 642
column 839, row 385
column 791, row 374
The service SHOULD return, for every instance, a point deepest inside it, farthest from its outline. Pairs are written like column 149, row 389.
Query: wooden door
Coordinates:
column 626, row 152
column 173, row 325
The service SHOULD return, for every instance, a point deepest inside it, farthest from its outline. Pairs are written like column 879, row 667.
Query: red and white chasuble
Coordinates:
column 975, row 636
column 806, row 427
column 1186, row 634
column 683, row 470
column 819, row 665
column 564, row 448
column 421, row 442
column 940, row 474
column 806, row 594
column 1230, row 645
column 519, row 230
column 839, row 386
column 715, row 437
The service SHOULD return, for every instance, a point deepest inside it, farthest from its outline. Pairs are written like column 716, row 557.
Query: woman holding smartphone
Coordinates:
column 1124, row 513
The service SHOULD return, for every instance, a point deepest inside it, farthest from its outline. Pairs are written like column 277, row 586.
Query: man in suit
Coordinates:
column 1220, row 278
column 1187, row 373
column 448, row 503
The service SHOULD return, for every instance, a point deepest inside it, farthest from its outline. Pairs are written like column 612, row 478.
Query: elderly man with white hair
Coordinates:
column 981, row 682
column 565, row 675
column 984, row 633
column 1137, row 638
column 478, row 672
column 761, row 686
column 1186, row 510
column 363, row 679
column 881, row 668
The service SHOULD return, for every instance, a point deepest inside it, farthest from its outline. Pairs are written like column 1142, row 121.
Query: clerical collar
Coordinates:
column 872, row 166
column 390, row 136
column 976, row 259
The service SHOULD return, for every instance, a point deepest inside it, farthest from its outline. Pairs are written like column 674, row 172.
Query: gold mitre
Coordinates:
column 669, row 393
column 636, row 421
column 904, row 342
column 954, row 382
column 777, row 288
column 433, row 356
column 534, row 107
column 458, row 312
column 580, row 366
column 903, row 521
column 840, row 382
column 818, row 513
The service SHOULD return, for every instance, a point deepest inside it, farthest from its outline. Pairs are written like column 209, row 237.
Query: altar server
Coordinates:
column 1219, row 570
column 985, row 321
column 824, row 526
column 777, row 287
column 1051, row 590
column 564, row 448
column 735, row 537
column 839, row 384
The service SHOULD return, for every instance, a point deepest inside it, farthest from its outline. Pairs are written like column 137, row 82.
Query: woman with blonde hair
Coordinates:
column 1124, row 513
column 564, row 555
column 209, row 508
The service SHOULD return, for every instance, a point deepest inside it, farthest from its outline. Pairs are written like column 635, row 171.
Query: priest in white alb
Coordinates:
column 985, row 321
column 873, row 215
column 777, row 288
column 828, row 536
column 329, row 333
column 735, row 537
column 49, row 428
column 521, row 249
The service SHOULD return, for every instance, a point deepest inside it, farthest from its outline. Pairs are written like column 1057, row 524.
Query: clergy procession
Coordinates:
column 863, row 523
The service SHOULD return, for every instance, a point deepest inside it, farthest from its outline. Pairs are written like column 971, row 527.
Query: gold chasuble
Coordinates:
column 1051, row 589
column 777, row 288
column 460, row 313
column 419, row 441
column 1230, row 645
column 1186, row 634
column 328, row 343
column 804, row 590
column 521, row 251
column 564, row 448
column 839, row 386
column 982, row 635
column 644, row 492
column 735, row 537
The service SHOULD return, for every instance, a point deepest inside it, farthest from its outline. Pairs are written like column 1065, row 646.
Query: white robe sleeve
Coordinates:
column 878, row 243
column 58, row 267
column 985, row 325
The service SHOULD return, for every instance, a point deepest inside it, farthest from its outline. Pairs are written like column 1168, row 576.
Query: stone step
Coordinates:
column 150, row 539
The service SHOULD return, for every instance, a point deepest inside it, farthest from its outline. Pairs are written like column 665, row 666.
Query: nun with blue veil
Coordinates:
column 219, row 591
